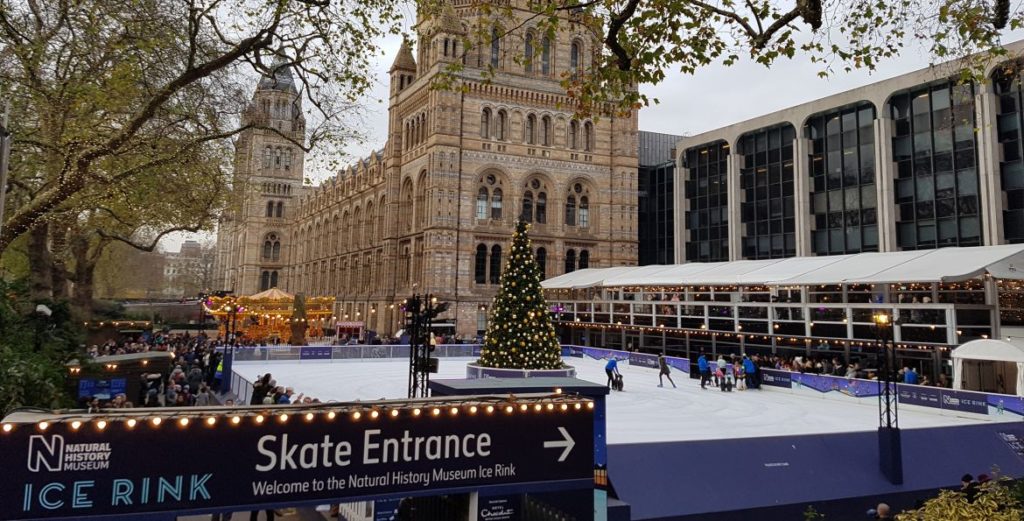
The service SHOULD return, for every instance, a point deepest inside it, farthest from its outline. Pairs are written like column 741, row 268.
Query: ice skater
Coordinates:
column 612, row 369
column 705, row 370
column 664, row 371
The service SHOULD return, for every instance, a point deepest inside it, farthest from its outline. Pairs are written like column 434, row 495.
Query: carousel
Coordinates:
column 272, row 317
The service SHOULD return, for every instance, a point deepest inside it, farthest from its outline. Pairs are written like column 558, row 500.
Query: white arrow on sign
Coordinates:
column 566, row 442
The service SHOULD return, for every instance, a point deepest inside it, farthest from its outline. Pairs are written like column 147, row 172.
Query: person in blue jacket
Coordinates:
column 611, row 369
column 749, row 372
column 910, row 376
column 705, row 370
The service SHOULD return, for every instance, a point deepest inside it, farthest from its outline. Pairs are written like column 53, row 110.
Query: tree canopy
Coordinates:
column 105, row 92
column 643, row 42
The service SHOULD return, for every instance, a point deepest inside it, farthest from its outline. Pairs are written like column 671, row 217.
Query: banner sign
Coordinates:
column 66, row 472
column 499, row 508
column 920, row 395
column 315, row 353
column 102, row 389
column 825, row 383
column 643, row 360
column 682, row 364
column 776, row 378
column 964, row 401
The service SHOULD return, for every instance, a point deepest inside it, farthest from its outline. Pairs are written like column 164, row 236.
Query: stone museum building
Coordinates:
column 433, row 210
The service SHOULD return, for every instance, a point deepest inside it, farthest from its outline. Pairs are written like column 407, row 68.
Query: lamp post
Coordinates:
column 890, row 451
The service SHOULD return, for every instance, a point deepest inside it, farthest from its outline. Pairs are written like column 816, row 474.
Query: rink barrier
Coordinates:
column 947, row 402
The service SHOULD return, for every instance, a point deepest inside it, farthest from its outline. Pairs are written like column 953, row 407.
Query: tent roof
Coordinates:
column 272, row 294
column 990, row 349
column 921, row 266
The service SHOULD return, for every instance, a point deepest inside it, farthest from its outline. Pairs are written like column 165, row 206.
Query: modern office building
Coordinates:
column 794, row 229
column 655, row 179
column 921, row 160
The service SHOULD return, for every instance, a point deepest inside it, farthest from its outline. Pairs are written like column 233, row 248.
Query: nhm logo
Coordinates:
column 45, row 452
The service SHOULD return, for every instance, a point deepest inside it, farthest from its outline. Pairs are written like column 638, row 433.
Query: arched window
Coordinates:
column 584, row 219
column 277, row 157
column 574, row 58
column 570, row 211
column 496, row 204
column 530, row 131
column 570, row 261
column 270, row 208
column 574, row 134
column 268, row 157
column 481, row 203
column 542, row 208
column 495, row 264
column 584, row 259
column 528, row 53
column 280, row 209
column 268, row 249
column 527, row 214
column 545, row 131
column 542, row 262
column 273, row 279
column 264, row 281
column 446, row 46
column 588, row 136
column 485, row 124
column 276, row 253
column 545, row 56
column 287, row 159
column 502, row 122
column 495, row 46
column 480, row 271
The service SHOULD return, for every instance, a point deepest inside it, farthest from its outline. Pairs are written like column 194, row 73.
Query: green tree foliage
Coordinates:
column 519, row 331
column 642, row 42
column 33, row 350
column 105, row 92
column 996, row 501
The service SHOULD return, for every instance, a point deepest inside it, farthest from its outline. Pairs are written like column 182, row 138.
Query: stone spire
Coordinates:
column 404, row 61
column 282, row 78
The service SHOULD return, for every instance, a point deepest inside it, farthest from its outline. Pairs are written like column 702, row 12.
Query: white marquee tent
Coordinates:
column 1004, row 261
column 989, row 365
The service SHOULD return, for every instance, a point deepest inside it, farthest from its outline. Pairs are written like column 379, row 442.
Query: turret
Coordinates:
column 403, row 70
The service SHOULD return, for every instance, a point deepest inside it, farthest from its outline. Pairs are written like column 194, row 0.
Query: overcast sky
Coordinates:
column 689, row 104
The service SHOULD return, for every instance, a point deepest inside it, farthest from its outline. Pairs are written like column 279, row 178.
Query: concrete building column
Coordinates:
column 734, row 163
column 885, row 170
column 990, row 186
column 802, row 196
column 679, row 208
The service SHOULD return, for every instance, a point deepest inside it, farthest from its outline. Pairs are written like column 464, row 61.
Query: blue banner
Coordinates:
column 920, row 396
column 776, row 378
column 315, row 353
column 102, row 389
column 964, row 401
column 682, row 364
column 643, row 360
column 117, row 468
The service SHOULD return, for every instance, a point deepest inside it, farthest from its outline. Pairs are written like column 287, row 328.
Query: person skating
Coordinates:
column 749, row 372
column 705, row 370
column 612, row 369
column 664, row 371
column 723, row 374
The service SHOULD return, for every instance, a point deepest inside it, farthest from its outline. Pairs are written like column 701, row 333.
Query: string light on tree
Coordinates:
column 520, row 334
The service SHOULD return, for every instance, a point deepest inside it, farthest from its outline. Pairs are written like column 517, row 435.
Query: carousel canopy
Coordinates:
column 272, row 294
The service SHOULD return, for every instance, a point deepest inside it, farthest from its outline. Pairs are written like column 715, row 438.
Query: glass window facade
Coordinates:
column 935, row 152
column 1007, row 83
column 766, row 183
column 657, row 225
column 707, row 219
column 842, row 180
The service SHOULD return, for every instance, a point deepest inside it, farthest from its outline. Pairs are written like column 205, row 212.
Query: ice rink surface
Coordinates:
column 643, row 413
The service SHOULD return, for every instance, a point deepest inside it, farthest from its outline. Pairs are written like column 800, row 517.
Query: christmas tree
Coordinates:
column 519, row 332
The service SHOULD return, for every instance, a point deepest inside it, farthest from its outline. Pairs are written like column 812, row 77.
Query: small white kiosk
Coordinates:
column 989, row 365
